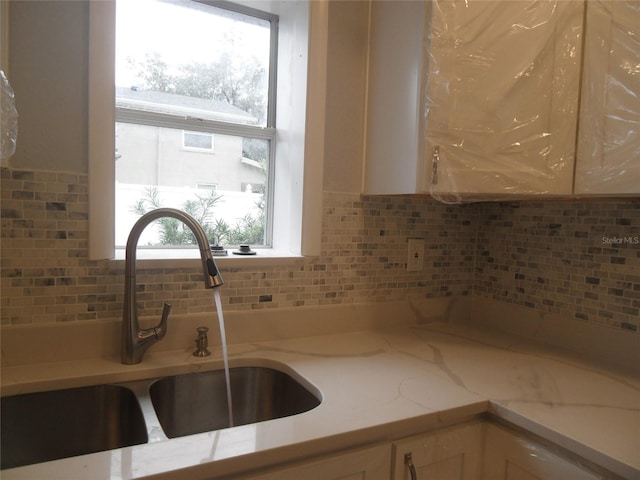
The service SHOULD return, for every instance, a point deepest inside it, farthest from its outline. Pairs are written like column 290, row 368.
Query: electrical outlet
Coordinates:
column 415, row 254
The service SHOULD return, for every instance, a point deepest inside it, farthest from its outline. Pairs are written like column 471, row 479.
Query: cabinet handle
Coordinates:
column 409, row 463
column 435, row 158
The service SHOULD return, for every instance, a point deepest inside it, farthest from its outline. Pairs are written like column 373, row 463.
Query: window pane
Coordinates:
column 189, row 60
column 196, row 51
column 154, row 170
column 202, row 141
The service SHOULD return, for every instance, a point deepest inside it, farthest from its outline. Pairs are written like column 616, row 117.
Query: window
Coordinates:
column 296, row 211
column 195, row 63
column 197, row 140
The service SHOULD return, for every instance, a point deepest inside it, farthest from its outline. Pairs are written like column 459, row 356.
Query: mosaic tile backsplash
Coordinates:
column 46, row 276
column 578, row 258
column 581, row 259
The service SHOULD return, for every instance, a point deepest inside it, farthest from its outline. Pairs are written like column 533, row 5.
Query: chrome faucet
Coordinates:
column 136, row 341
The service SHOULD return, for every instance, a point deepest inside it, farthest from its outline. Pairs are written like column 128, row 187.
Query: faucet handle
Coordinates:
column 160, row 330
column 202, row 343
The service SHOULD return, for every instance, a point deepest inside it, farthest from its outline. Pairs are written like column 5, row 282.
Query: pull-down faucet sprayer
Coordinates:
column 136, row 341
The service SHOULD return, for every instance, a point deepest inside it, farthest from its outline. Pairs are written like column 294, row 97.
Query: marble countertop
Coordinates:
column 376, row 385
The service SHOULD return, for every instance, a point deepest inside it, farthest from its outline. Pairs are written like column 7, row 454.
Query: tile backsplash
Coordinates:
column 576, row 258
column 47, row 277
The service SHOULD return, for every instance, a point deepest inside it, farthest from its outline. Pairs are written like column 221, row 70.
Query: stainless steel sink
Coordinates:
column 194, row 403
column 44, row 426
column 39, row 427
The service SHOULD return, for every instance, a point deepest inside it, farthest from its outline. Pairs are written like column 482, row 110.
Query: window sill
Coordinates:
column 189, row 257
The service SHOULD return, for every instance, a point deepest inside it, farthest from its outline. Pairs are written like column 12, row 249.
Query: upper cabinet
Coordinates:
column 472, row 100
column 609, row 140
column 502, row 97
column 394, row 147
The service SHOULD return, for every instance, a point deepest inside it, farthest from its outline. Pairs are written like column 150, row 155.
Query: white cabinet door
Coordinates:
column 511, row 457
column 608, row 160
column 502, row 93
column 394, row 147
column 449, row 454
column 492, row 84
column 368, row 464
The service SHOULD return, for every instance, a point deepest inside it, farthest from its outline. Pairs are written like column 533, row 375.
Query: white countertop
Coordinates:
column 376, row 385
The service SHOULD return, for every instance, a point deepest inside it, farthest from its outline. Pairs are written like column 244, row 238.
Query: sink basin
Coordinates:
column 45, row 426
column 39, row 427
column 197, row 402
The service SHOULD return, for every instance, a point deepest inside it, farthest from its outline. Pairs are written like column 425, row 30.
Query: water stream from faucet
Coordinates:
column 225, row 357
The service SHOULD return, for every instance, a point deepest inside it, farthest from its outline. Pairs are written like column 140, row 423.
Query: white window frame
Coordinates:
column 196, row 123
column 300, row 127
column 185, row 133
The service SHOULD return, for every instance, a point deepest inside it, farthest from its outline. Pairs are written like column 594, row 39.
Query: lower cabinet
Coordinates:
column 477, row 450
column 510, row 456
column 449, row 454
column 481, row 451
column 373, row 463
